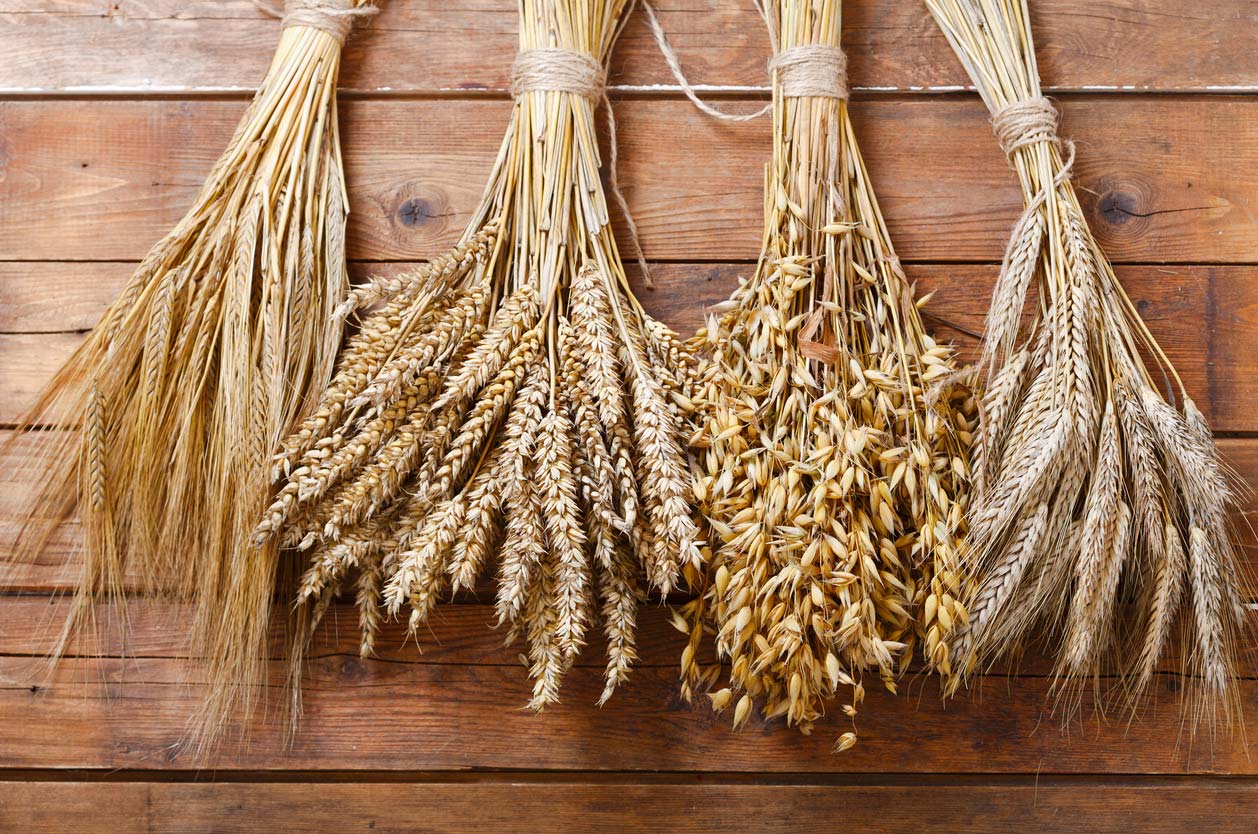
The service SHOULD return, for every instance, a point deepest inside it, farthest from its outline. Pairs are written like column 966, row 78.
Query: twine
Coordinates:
column 1024, row 123
column 336, row 17
column 811, row 70
column 558, row 70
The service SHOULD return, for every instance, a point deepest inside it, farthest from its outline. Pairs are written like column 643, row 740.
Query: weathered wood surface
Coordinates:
column 1165, row 178
column 1202, row 316
column 112, row 112
column 689, row 805
column 109, row 713
column 422, row 46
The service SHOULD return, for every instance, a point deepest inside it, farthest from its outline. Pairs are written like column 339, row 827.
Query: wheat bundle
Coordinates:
column 833, row 434
column 512, row 396
column 1094, row 490
column 209, row 356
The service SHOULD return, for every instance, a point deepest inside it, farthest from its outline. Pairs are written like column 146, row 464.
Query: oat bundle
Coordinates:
column 511, row 397
column 833, row 436
column 207, row 359
column 1094, row 490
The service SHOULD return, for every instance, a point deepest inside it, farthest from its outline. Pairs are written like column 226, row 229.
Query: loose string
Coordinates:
column 674, row 65
column 579, row 74
column 336, row 17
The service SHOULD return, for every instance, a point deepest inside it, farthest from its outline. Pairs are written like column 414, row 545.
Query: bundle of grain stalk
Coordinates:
column 1101, row 510
column 833, row 433
column 512, row 396
column 212, row 353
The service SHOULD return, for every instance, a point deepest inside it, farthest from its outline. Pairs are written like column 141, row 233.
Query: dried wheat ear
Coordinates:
column 831, row 433
column 1100, row 519
column 511, row 398
column 212, row 353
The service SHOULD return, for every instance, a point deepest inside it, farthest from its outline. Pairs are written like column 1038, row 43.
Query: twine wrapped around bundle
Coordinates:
column 206, row 360
column 832, row 438
column 1094, row 490
column 511, row 399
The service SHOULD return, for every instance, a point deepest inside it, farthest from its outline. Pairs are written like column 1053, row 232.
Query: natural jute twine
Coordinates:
column 812, row 70
column 558, row 70
column 1024, row 123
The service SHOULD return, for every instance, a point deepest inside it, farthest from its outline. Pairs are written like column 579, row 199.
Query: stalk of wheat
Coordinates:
column 1094, row 489
column 510, row 397
column 832, row 438
column 207, row 359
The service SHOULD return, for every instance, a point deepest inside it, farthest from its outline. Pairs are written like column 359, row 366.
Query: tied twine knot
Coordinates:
column 558, row 70
column 811, row 70
column 336, row 17
column 1024, row 123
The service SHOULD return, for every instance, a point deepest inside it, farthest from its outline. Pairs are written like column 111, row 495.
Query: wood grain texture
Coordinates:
column 1164, row 179
column 144, row 46
column 1202, row 316
column 692, row 806
column 97, row 713
column 111, row 114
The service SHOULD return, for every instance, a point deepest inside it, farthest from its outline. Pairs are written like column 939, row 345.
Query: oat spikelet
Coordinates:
column 831, row 434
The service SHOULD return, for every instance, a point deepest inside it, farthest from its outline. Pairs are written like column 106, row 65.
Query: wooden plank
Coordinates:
column 1164, row 178
column 695, row 806
column 461, row 634
column 382, row 715
column 425, row 46
column 1203, row 317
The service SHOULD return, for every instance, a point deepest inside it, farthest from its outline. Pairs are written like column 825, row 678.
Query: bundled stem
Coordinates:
column 210, row 355
column 1095, row 490
column 512, row 396
column 833, row 438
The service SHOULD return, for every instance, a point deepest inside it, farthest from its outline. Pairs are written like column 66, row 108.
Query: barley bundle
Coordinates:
column 209, row 356
column 832, row 440
column 511, row 396
column 1094, row 489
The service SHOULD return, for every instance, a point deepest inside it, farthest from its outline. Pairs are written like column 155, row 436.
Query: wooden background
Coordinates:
column 112, row 112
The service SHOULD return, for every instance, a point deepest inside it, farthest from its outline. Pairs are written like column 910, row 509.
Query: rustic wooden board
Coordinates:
column 1164, row 178
column 112, row 112
column 1202, row 316
column 693, row 805
column 382, row 715
column 171, row 46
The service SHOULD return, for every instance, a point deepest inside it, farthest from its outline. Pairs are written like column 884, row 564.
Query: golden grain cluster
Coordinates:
column 811, row 465
column 1101, row 512
column 511, row 398
column 832, row 436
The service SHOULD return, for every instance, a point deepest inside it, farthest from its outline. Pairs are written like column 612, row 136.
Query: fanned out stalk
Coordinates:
column 210, row 355
column 1096, row 491
column 510, row 398
column 833, row 435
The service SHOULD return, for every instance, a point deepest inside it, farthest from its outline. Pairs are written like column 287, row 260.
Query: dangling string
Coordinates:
column 674, row 65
